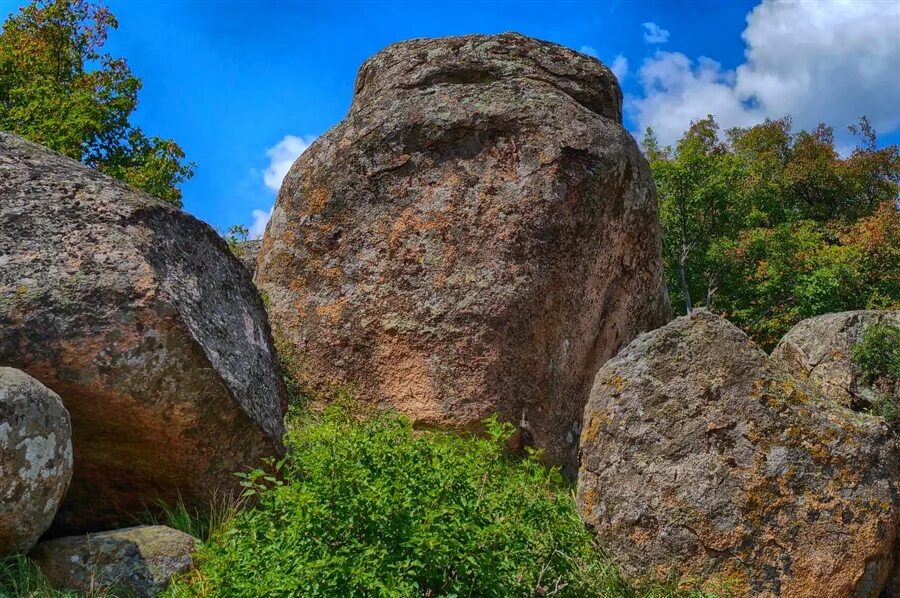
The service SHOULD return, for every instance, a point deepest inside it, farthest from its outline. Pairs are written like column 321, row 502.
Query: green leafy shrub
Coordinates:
column 877, row 356
column 878, row 353
column 374, row 508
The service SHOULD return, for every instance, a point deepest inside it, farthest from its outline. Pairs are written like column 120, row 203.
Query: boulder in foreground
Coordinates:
column 35, row 459
column 701, row 456
column 147, row 327
column 139, row 561
column 478, row 235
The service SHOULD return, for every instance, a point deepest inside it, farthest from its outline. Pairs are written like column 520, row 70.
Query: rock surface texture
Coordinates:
column 818, row 350
column 700, row 455
column 147, row 327
column 478, row 235
column 35, row 459
column 248, row 252
column 138, row 561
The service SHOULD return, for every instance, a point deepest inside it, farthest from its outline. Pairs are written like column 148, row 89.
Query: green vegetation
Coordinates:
column 374, row 508
column 768, row 227
column 235, row 236
column 59, row 89
column 20, row 578
column 878, row 357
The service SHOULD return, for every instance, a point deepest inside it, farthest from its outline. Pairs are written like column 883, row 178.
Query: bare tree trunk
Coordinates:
column 683, row 279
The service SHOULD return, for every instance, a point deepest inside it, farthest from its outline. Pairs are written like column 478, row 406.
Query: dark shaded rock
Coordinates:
column 478, row 235
column 819, row 351
column 150, row 331
column 702, row 456
column 139, row 561
column 35, row 459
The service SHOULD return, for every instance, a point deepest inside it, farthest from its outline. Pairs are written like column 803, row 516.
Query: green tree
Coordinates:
column 696, row 181
column 58, row 88
column 774, row 226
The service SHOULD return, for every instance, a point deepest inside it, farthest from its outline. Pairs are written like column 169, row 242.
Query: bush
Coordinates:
column 877, row 356
column 878, row 353
column 375, row 508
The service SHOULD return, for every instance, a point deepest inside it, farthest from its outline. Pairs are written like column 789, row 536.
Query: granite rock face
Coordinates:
column 35, row 459
column 819, row 351
column 478, row 235
column 147, row 327
column 700, row 455
column 139, row 561
column 248, row 252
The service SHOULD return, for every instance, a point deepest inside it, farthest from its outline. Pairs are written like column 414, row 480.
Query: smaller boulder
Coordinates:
column 35, row 459
column 819, row 350
column 701, row 457
column 137, row 560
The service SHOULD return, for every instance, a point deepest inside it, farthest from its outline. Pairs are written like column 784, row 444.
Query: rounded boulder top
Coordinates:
column 477, row 59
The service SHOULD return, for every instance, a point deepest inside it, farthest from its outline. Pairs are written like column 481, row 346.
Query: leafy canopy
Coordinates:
column 768, row 227
column 58, row 88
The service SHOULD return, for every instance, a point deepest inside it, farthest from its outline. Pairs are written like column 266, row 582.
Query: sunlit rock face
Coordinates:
column 478, row 235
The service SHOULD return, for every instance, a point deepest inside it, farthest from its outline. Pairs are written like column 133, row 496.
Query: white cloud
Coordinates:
column 589, row 50
column 619, row 66
column 823, row 61
column 654, row 34
column 281, row 157
column 260, row 220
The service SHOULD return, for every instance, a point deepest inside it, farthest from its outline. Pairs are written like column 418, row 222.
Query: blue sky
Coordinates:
column 244, row 86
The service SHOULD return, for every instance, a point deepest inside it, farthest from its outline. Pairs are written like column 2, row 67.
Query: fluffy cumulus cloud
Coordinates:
column 654, row 34
column 589, row 50
column 260, row 220
column 619, row 66
column 281, row 156
column 817, row 61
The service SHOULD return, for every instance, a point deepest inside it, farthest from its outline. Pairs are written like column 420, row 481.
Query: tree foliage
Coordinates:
column 58, row 88
column 768, row 227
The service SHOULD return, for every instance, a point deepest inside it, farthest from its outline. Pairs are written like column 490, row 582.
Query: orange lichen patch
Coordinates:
column 591, row 499
column 298, row 284
column 616, row 381
column 864, row 553
column 599, row 421
column 332, row 310
column 318, row 199
column 408, row 221
column 643, row 534
column 404, row 380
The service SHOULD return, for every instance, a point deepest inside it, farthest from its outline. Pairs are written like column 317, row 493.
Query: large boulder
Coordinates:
column 137, row 561
column 147, row 327
column 478, row 235
column 35, row 459
column 701, row 456
column 819, row 351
